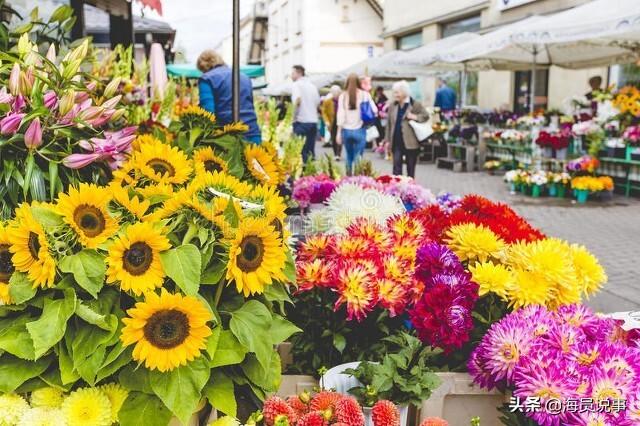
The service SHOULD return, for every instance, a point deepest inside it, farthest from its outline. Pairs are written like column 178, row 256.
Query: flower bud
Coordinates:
column 5, row 98
column 111, row 88
column 14, row 80
column 33, row 135
column 71, row 69
column 24, row 45
column 26, row 82
column 50, row 99
column 118, row 115
column 112, row 103
column 51, row 53
column 19, row 103
column 11, row 123
column 80, row 52
column 66, row 102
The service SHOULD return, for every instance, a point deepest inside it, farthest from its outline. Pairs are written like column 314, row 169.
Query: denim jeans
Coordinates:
column 309, row 131
column 354, row 142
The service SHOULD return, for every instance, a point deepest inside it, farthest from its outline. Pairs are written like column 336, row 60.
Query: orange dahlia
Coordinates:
column 324, row 400
column 314, row 273
column 370, row 230
column 275, row 407
column 314, row 246
column 314, row 418
column 391, row 295
column 405, row 226
column 358, row 290
column 349, row 411
column 297, row 405
column 434, row 421
column 385, row 413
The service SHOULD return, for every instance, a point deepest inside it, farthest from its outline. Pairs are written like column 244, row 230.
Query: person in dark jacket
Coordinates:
column 216, row 94
column 445, row 96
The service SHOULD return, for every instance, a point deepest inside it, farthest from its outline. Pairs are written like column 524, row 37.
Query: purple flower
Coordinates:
column 18, row 103
column 10, row 124
column 434, row 258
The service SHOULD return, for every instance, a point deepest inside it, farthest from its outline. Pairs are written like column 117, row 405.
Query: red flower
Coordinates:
column 297, row 405
column 349, row 411
column 274, row 407
column 385, row 413
column 313, row 418
column 324, row 400
column 435, row 221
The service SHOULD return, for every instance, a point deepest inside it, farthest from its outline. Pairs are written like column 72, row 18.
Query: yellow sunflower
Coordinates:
column 172, row 205
column 262, row 165
column 6, row 266
column 238, row 127
column 168, row 330
column 214, row 212
column 142, row 140
column 222, row 184
column 206, row 161
column 256, row 256
column 133, row 204
column 30, row 248
column 85, row 210
column 474, row 242
column 134, row 259
column 87, row 407
column 161, row 191
column 125, row 175
column 162, row 163
column 194, row 110
column 274, row 207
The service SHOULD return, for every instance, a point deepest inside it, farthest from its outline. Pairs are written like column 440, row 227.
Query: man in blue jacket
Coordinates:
column 216, row 94
column 445, row 96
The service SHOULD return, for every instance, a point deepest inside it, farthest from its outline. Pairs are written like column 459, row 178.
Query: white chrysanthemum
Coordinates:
column 12, row 408
column 42, row 416
column 350, row 202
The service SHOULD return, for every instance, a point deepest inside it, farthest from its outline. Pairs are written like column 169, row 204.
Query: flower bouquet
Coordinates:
column 586, row 164
column 492, row 165
column 554, row 142
column 412, row 194
column 558, row 183
column 312, row 189
column 631, row 136
column 585, row 185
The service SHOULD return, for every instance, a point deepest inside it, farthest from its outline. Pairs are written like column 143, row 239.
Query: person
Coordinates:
column 403, row 141
column 352, row 132
column 305, row 98
column 445, row 96
column 595, row 83
column 329, row 109
column 381, row 117
column 216, row 94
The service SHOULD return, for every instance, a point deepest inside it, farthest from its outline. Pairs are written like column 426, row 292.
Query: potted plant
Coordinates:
column 492, row 165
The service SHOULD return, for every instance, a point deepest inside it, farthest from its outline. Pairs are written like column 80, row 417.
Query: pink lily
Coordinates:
column 112, row 149
column 50, row 99
column 33, row 135
column 19, row 103
column 14, row 79
column 10, row 124
column 5, row 98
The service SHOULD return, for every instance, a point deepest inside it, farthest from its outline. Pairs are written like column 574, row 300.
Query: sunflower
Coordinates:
column 126, row 174
column 132, row 204
column 6, row 266
column 474, row 242
column 237, row 127
column 256, row 256
column 262, row 165
column 168, row 330
column 197, row 112
column 214, row 212
column 30, row 248
column 172, row 205
column 85, row 210
column 161, row 190
column 134, row 259
column 206, row 161
column 162, row 163
column 142, row 140
column 220, row 184
column 87, row 407
column 274, row 207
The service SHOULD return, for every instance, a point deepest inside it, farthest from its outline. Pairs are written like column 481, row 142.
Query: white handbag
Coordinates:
column 372, row 133
column 421, row 130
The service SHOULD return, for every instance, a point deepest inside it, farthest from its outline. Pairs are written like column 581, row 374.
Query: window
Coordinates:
column 624, row 75
column 468, row 24
column 522, row 90
column 409, row 41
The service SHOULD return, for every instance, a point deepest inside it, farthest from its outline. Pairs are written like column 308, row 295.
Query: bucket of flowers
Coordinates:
column 584, row 186
column 558, row 183
column 492, row 166
column 631, row 136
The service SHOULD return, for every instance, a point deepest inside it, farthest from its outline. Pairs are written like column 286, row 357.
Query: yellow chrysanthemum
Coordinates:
column 589, row 272
column 30, row 248
column 117, row 395
column 12, row 408
column 85, row 210
column 238, row 127
column 142, row 140
column 262, row 165
column 206, row 161
column 198, row 112
column 134, row 259
column 47, row 397
column 162, row 163
column 222, row 184
column 528, row 289
column 491, row 278
column 133, row 204
column 474, row 242
column 87, row 407
column 256, row 256
column 168, row 330
column 42, row 416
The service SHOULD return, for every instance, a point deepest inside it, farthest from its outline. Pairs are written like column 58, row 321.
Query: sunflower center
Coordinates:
column 167, row 329
column 6, row 266
column 251, row 254
column 34, row 245
column 90, row 220
column 137, row 259
column 212, row 166
column 161, row 167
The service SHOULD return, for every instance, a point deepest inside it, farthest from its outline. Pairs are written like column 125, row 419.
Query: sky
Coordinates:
column 200, row 24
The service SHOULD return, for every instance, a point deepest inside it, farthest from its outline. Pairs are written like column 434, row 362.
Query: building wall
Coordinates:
column 325, row 36
column 225, row 47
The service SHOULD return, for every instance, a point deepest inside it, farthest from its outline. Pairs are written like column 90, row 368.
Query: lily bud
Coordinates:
column 81, row 97
column 111, row 103
column 51, row 53
column 118, row 114
column 14, row 80
column 26, row 82
column 71, row 68
column 50, row 99
column 66, row 102
column 5, row 98
column 19, row 103
column 33, row 135
column 24, row 45
column 90, row 113
column 111, row 88
column 33, row 58
column 79, row 53
column 11, row 123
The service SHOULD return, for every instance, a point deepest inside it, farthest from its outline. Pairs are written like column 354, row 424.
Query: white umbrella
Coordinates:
column 284, row 88
column 430, row 54
column 385, row 66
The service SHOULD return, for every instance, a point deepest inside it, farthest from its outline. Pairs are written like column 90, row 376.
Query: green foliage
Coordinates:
column 403, row 377
column 220, row 392
column 182, row 264
column 364, row 167
column 54, row 30
column 88, row 268
column 141, row 409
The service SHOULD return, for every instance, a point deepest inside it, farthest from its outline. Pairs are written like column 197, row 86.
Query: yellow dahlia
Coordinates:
column 134, row 259
column 492, row 278
column 262, row 165
column 168, row 330
column 206, row 161
column 474, row 242
column 12, row 408
column 85, row 210
column 589, row 272
column 47, row 397
column 256, row 256
column 528, row 288
column 134, row 205
column 30, row 248
column 117, row 395
column 162, row 163
column 43, row 416
column 87, row 407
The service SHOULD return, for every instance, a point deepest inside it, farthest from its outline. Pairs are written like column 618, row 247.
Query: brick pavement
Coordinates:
column 609, row 230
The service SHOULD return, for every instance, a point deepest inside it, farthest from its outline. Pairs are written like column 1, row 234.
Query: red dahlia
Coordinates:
column 313, row 418
column 349, row 411
column 385, row 413
column 274, row 407
column 324, row 400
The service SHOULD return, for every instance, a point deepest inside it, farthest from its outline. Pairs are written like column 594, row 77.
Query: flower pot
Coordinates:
column 293, row 384
column 582, row 195
column 561, row 154
column 536, row 190
column 634, row 153
column 553, row 190
column 616, row 152
column 512, row 187
column 605, row 196
column 547, row 152
column 404, row 415
column 561, row 191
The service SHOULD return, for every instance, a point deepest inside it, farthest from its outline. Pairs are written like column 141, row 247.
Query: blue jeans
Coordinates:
column 354, row 142
column 309, row 131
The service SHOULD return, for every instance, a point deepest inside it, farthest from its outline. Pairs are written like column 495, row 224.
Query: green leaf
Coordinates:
column 15, row 339
column 53, row 180
column 251, row 324
column 290, row 268
column 88, row 268
column 220, row 392
column 140, row 409
column 182, row 265
column 46, row 217
column 89, row 349
column 229, row 351
column 68, row 374
column 268, row 379
column 339, row 342
column 52, row 324
column 180, row 389
column 212, row 342
column 20, row 288
column 88, row 314
column 135, row 379
column 281, row 330
column 230, row 214
column 15, row 371
column 214, row 273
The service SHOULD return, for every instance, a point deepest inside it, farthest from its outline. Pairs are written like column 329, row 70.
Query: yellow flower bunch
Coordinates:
column 592, row 184
column 627, row 100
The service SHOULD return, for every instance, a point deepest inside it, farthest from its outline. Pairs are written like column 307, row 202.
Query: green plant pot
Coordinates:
column 561, row 191
column 536, row 190
column 582, row 195
column 553, row 190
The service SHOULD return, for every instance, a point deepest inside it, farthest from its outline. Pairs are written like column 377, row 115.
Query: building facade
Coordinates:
column 325, row 36
column 409, row 24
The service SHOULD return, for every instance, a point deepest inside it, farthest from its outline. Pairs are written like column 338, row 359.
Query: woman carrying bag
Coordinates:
column 403, row 114
column 356, row 111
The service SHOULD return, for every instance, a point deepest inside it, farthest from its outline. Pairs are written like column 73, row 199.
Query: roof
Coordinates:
column 97, row 21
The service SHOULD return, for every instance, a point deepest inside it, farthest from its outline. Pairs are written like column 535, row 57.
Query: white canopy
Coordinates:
column 384, row 67
column 284, row 88
column 430, row 54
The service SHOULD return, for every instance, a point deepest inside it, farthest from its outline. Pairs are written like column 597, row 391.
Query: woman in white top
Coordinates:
column 352, row 132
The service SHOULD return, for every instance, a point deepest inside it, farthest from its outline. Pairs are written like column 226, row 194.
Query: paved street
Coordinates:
column 611, row 230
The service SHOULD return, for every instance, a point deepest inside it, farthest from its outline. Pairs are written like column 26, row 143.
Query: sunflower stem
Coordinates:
column 218, row 295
